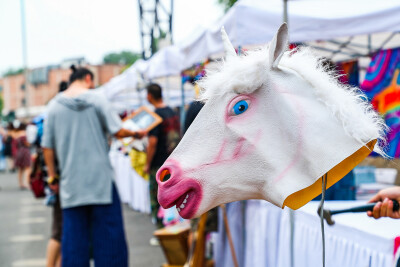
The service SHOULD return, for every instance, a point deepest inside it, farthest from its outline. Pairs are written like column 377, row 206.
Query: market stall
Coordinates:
column 354, row 240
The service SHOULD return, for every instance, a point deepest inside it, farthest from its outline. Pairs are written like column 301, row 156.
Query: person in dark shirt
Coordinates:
column 162, row 141
column 192, row 112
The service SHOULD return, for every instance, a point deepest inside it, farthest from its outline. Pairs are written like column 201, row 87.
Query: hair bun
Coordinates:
column 73, row 68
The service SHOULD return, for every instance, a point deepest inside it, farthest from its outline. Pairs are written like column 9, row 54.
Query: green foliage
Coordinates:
column 9, row 117
column 227, row 3
column 12, row 72
column 1, row 105
column 124, row 57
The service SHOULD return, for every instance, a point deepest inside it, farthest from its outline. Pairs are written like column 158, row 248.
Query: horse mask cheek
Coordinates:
column 273, row 143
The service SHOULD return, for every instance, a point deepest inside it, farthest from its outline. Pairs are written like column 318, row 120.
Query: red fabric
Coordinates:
column 36, row 179
column 37, row 186
column 396, row 244
column 23, row 156
column 14, row 147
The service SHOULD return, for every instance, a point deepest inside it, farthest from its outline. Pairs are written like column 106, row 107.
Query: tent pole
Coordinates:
column 385, row 42
column 285, row 11
column 139, row 92
column 341, row 46
column 291, row 212
column 26, row 102
column 333, row 51
column 369, row 44
column 348, row 47
column 182, row 107
column 291, row 220
column 352, row 44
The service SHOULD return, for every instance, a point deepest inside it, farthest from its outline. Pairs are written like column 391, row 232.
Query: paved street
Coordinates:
column 25, row 229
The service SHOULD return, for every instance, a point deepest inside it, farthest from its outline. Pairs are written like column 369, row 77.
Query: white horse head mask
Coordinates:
column 273, row 124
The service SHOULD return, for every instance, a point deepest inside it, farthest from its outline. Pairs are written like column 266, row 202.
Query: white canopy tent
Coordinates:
column 129, row 79
column 252, row 22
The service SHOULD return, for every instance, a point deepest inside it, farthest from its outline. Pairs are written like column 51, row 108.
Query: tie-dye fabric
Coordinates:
column 382, row 87
column 195, row 73
column 349, row 71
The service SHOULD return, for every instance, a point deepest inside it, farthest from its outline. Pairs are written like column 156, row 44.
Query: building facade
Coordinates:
column 44, row 85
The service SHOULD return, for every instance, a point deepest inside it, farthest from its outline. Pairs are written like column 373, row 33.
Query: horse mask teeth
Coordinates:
column 273, row 124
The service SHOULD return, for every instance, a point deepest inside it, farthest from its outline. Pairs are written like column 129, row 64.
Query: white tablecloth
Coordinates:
column 132, row 188
column 355, row 239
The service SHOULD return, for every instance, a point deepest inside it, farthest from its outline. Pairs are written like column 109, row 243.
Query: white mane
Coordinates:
column 244, row 74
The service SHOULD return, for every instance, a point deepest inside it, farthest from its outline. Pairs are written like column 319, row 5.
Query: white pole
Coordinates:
column 24, row 56
column 291, row 212
column 285, row 11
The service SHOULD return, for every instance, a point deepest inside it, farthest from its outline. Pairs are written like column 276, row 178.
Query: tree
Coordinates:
column 123, row 57
column 227, row 3
column 11, row 72
column 1, row 105
column 10, row 117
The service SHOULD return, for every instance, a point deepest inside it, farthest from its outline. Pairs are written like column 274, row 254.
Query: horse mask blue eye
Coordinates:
column 240, row 107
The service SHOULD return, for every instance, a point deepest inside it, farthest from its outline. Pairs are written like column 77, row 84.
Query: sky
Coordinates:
column 63, row 29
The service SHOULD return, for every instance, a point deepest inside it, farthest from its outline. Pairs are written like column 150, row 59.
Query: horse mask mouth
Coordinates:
column 185, row 194
column 274, row 127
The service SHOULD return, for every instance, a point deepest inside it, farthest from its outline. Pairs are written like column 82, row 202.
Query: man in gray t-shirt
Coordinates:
column 76, row 130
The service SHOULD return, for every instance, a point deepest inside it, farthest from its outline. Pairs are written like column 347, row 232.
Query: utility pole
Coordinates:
column 24, row 57
column 155, row 21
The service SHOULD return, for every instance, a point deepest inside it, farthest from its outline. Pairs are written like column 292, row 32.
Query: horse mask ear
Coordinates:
column 278, row 46
column 228, row 47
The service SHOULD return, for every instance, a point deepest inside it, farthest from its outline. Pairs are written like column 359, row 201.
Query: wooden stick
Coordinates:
column 228, row 233
column 196, row 253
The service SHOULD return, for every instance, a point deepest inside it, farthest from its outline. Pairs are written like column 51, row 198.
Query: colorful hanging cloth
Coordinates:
column 380, row 71
column 194, row 73
column 349, row 72
column 138, row 162
column 382, row 87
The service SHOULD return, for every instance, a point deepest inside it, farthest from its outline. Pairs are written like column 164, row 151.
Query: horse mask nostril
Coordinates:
column 165, row 175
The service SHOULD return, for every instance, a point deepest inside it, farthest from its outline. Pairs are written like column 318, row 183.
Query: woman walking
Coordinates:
column 22, row 157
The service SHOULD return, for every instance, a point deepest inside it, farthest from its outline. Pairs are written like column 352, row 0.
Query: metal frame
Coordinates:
column 353, row 49
column 155, row 19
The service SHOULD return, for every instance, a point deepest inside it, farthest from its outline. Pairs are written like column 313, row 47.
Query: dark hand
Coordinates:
column 55, row 187
column 140, row 134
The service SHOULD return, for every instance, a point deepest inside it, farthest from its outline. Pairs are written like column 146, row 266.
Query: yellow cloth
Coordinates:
column 138, row 162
